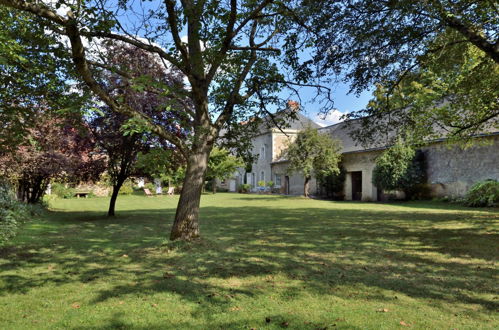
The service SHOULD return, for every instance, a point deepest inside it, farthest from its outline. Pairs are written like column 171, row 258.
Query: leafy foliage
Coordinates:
column 126, row 188
column 61, row 190
column 55, row 147
column 333, row 184
column 221, row 164
column 34, row 72
column 483, row 194
column 42, row 135
column 435, row 62
column 12, row 213
column 399, row 168
column 122, row 138
column 313, row 153
column 456, row 95
column 165, row 164
column 244, row 188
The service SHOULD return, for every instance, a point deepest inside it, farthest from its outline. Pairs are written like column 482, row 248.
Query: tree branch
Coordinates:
column 111, row 69
column 231, row 32
column 78, row 55
column 138, row 44
column 234, row 95
column 172, row 22
column 256, row 48
column 38, row 9
column 229, row 35
column 491, row 49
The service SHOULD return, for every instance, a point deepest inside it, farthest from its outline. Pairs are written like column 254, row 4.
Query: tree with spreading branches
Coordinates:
column 116, row 136
column 434, row 63
column 54, row 148
column 313, row 154
column 237, row 57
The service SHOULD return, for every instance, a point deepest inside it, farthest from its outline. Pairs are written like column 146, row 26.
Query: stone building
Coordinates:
column 270, row 164
column 451, row 170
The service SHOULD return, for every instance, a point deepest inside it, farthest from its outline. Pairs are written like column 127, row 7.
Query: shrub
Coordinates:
column 61, row 191
column 126, row 188
column 270, row 184
column 420, row 191
column 483, row 194
column 244, row 188
column 400, row 168
column 261, row 183
column 333, row 184
column 12, row 213
column 150, row 186
column 48, row 199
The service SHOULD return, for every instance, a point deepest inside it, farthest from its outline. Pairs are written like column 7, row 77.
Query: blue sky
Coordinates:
column 343, row 103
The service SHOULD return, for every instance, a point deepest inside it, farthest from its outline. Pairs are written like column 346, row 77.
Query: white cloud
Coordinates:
column 332, row 117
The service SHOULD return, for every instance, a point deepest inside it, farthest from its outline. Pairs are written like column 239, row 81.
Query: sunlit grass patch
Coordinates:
column 263, row 262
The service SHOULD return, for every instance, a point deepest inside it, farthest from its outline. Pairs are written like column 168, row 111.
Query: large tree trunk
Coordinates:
column 306, row 186
column 186, row 224
column 31, row 190
column 21, row 191
column 114, row 196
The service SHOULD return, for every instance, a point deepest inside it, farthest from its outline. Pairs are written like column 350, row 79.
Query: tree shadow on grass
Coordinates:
column 117, row 322
column 419, row 254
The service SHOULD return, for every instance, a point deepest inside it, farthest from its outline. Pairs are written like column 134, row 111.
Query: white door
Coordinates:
column 232, row 185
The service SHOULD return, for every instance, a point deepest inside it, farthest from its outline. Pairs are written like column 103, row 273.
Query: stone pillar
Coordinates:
column 369, row 192
column 348, row 187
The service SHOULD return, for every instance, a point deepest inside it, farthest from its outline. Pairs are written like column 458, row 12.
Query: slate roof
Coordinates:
column 341, row 131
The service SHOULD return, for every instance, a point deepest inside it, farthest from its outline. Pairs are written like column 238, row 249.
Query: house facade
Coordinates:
column 451, row 170
column 268, row 145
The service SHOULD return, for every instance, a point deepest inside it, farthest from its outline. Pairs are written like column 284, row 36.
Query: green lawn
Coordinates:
column 264, row 262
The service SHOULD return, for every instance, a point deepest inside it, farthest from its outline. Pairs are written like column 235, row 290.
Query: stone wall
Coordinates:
column 360, row 162
column 281, row 141
column 262, row 161
column 453, row 170
column 296, row 180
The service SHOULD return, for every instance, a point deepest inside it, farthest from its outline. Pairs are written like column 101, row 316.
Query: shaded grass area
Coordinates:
column 264, row 262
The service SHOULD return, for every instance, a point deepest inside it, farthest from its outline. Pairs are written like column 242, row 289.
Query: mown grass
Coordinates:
column 264, row 262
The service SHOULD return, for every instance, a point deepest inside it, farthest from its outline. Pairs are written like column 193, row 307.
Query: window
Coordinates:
column 262, row 176
column 253, row 179
column 262, row 152
column 277, row 180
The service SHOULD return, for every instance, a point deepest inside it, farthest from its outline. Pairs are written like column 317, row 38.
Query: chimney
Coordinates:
column 293, row 106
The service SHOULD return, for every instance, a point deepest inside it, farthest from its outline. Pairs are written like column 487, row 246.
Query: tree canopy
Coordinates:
column 435, row 62
column 120, row 136
column 400, row 167
column 34, row 74
column 313, row 153
column 221, row 165
column 55, row 147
